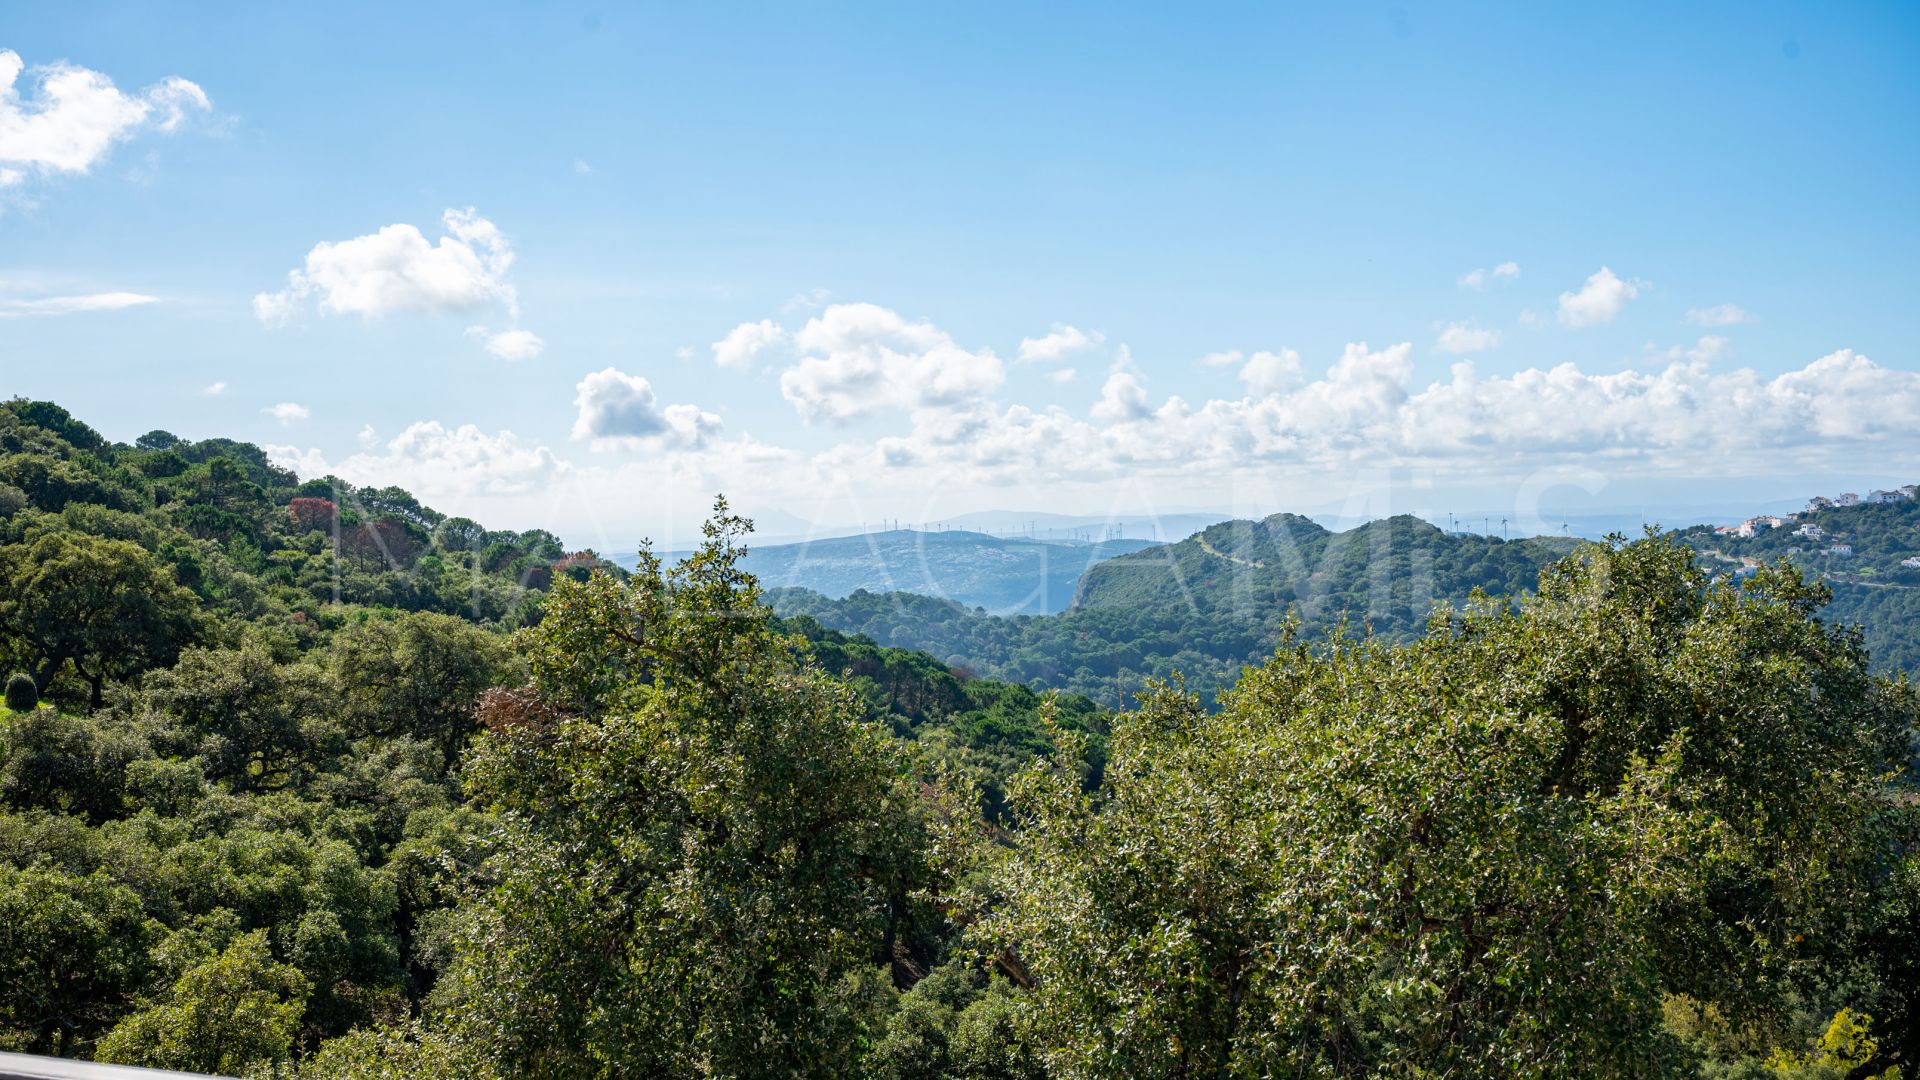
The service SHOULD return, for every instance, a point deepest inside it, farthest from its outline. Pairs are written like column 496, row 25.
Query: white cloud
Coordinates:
column 515, row 344
column 287, row 412
column 744, row 343
column 73, row 305
column 69, row 118
column 620, row 411
column 1063, row 375
column 1058, row 345
column 1122, row 399
column 1598, row 301
column 858, row 359
column 1366, row 412
column 1477, row 278
column 944, row 431
column 214, row 389
column 397, row 270
column 581, row 168
column 1462, row 337
column 432, row 460
column 368, row 438
column 1264, row 372
column 1718, row 315
column 1267, row 373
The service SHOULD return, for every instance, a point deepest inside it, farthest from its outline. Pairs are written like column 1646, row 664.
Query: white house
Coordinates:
column 1811, row 532
column 1843, row 551
column 1911, row 564
column 1848, row 499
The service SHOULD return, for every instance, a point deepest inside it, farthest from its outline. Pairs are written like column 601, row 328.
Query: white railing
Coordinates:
column 35, row 1067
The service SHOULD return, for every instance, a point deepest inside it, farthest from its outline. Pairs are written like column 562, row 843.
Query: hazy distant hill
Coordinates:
column 1205, row 606
column 1003, row 576
column 1387, row 572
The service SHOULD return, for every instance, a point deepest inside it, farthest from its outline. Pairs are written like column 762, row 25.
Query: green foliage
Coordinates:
column 1490, row 852
column 104, row 606
column 417, row 674
column 73, row 952
column 1640, row 823
column 1843, row 1053
column 390, row 1053
column 1871, row 587
column 233, row 1011
column 704, row 840
column 22, row 694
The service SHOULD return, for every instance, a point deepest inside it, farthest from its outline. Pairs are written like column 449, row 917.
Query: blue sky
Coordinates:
column 1140, row 188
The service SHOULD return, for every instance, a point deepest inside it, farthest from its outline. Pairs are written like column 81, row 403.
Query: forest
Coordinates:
column 303, row 779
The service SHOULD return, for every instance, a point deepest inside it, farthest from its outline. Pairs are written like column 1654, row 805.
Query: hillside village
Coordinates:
column 1848, row 536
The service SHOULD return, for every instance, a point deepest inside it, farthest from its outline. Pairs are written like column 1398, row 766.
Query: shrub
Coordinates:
column 22, row 694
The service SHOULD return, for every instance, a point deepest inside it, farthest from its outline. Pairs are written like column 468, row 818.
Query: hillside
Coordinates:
column 1858, row 548
column 246, row 706
column 355, row 782
column 1206, row 606
column 1003, row 576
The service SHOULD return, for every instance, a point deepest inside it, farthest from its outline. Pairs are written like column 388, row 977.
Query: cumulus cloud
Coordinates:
column 287, row 412
column 67, row 119
column 396, row 269
column 1598, row 301
column 744, row 344
column 1718, row 315
column 1263, row 372
column 858, row 359
column 1462, row 337
column 1478, row 277
column 1366, row 411
column 430, row 459
column 1268, row 373
column 1122, row 399
column 1058, row 345
column 73, row 305
column 620, row 411
column 214, row 389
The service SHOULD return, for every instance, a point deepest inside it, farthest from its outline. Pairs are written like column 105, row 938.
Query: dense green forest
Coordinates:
column 305, row 780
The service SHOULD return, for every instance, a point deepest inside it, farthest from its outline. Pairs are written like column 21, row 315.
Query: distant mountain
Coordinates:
column 1205, row 607
column 1389, row 570
column 1003, row 576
